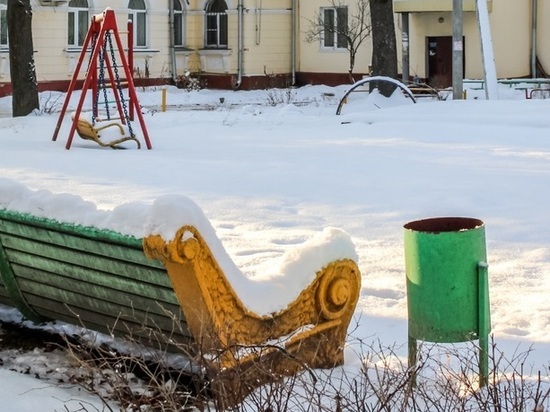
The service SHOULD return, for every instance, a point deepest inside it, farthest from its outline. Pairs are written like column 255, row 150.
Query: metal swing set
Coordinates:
column 102, row 63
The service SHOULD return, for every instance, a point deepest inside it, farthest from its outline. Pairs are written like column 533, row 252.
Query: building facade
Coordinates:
column 274, row 43
column 519, row 31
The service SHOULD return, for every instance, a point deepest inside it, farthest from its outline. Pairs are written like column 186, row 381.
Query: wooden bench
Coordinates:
column 114, row 283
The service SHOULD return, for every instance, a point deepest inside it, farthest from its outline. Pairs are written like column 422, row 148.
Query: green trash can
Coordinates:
column 447, row 284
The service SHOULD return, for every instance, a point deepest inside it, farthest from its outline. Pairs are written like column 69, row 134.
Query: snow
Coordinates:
column 279, row 185
column 21, row 393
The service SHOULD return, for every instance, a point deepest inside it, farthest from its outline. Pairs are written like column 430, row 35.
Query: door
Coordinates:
column 440, row 61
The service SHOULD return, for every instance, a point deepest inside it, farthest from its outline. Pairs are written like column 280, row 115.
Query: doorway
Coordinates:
column 440, row 61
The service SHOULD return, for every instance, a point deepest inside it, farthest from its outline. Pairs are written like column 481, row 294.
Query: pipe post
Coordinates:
column 484, row 323
column 405, row 47
column 458, row 50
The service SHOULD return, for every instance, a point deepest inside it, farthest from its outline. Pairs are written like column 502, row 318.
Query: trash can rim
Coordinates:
column 444, row 224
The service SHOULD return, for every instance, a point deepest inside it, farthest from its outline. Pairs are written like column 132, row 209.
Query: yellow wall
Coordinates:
column 543, row 35
column 49, row 40
column 266, row 37
column 267, row 41
column 511, row 31
column 314, row 59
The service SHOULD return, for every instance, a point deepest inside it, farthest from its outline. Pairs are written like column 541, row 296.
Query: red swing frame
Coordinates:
column 100, row 25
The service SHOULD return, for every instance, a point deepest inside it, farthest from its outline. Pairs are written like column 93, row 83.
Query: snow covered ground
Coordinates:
column 271, row 169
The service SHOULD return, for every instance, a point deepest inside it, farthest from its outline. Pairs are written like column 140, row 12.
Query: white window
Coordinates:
column 79, row 22
column 216, row 24
column 335, row 27
column 4, row 23
column 179, row 24
column 138, row 16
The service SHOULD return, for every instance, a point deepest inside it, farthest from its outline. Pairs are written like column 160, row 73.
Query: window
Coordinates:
column 179, row 24
column 216, row 24
column 335, row 21
column 138, row 16
column 4, row 23
column 79, row 22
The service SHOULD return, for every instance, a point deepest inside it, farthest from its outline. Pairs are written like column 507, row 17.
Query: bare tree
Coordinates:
column 22, row 69
column 384, row 48
column 335, row 26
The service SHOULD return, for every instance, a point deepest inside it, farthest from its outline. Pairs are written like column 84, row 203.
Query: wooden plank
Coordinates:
column 109, row 325
column 12, row 289
column 153, row 282
column 3, row 291
column 77, row 257
column 126, row 252
column 101, row 235
column 140, row 312
column 5, row 300
column 95, row 278
column 144, row 298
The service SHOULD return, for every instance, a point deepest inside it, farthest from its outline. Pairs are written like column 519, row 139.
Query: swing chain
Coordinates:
column 119, row 86
column 92, row 48
column 101, row 83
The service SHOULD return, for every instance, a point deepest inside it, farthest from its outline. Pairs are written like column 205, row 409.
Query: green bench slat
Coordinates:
column 84, row 304
column 95, row 278
column 108, row 324
column 101, row 235
column 131, row 252
column 157, row 285
column 77, row 257
column 5, row 299
column 59, row 285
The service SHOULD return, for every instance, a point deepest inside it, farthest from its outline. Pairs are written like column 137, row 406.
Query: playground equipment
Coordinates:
column 367, row 80
column 154, row 289
column 103, row 62
column 447, row 284
column 88, row 131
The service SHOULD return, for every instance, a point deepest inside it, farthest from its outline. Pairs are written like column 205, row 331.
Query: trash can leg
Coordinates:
column 413, row 354
column 484, row 324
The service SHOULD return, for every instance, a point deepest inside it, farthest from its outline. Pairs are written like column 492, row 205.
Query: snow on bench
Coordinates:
column 152, row 265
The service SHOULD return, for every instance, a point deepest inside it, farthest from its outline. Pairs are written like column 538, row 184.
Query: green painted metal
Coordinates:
column 447, row 283
column 12, row 288
column 96, row 278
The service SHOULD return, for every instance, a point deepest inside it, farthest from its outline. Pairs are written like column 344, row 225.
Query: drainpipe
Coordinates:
column 405, row 47
column 293, row 45
column 534, row 39
column 172, row 45
column 240, row 49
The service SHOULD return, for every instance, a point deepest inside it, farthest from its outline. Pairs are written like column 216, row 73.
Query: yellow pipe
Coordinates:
column 163, row 101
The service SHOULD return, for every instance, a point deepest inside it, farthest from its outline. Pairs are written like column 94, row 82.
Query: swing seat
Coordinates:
column 87, row 131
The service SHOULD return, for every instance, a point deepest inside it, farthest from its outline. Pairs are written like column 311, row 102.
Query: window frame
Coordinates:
column 179, row 24
column 4, row 42
column 79, row 18
column 216, row 24
column 330, row 38
column 138, row 17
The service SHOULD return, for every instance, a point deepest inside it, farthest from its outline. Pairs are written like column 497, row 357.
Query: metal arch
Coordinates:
column 374, row 79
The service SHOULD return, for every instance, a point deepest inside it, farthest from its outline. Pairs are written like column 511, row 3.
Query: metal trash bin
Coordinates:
column 447, row 284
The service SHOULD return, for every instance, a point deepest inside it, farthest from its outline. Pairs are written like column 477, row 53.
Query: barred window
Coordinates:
column 3, row 23
column 179, row 23
column 216, row 24
column 138, row 16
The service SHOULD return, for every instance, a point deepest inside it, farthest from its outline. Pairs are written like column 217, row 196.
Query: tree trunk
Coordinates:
column 22, row 69
column 384, row 55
